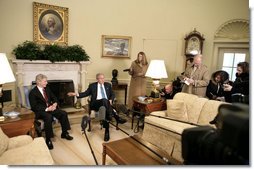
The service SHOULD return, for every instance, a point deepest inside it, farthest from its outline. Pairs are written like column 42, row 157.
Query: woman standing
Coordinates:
column 138, row 80
column 240, row 85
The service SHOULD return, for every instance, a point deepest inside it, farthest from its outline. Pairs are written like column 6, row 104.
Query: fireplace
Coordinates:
column 62, row 77
column 60, row 88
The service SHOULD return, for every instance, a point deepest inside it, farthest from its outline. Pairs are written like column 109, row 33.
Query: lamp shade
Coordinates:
column 6, row 74
column 157, row 69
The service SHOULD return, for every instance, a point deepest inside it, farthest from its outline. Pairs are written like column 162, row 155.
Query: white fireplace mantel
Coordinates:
column 27, row 70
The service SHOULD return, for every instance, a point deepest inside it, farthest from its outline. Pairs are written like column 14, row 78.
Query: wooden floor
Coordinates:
column 77, row 151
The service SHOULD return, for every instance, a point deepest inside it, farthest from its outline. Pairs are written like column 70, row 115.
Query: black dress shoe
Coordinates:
column 66, row 136
column 106, row 135
column 49, row 144
column 121, row 120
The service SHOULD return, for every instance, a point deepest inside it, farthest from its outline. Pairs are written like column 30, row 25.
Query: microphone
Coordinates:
column 126, row 70
column 84, row 122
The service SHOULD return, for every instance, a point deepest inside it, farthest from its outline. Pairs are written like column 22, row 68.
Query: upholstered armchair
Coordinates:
column 23, row 150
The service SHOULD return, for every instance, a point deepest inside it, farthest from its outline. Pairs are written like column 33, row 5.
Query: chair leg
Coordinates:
column 132, row 120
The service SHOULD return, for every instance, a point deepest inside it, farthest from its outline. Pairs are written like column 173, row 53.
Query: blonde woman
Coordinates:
column 138, row 80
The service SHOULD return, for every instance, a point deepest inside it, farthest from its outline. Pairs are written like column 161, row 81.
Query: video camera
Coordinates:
column 226, row 145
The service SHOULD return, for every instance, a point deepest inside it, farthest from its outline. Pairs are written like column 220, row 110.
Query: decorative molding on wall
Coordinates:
column 235, row 29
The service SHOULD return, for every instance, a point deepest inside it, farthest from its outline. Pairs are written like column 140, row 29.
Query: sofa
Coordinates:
column 164, row 128
column 23, row 150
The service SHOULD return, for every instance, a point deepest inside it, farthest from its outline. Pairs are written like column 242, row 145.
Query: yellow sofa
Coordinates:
column 190, row 111
column 23, row 150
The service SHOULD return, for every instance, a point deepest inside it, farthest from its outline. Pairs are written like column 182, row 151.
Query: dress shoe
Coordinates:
column 49, row 144
column 106, row 135
column 119, row 119
column 66, row 136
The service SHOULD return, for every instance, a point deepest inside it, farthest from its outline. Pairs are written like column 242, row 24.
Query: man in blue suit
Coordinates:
column 101, row 96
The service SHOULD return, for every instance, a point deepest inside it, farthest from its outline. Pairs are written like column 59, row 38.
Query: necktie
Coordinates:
column 45, row 95
column 102, row 93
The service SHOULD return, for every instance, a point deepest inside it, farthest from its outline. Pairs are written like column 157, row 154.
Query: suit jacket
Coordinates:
column 201, row 79
column 37, row 101
column 92, row 91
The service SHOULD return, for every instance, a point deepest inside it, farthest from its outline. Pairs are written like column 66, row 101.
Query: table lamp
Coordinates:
column 156, row 70
column 6, row 76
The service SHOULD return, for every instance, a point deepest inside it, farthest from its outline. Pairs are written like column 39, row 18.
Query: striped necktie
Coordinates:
column 102, row 92
column 45, row 95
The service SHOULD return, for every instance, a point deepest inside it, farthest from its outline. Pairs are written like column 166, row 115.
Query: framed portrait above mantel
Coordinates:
column 116, row 46
column 50, row 24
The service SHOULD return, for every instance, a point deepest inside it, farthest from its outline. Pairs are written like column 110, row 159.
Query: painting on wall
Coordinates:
column 50, row 24
column 116, row 46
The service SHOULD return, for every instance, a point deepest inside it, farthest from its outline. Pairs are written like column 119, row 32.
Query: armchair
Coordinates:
column 23, row 150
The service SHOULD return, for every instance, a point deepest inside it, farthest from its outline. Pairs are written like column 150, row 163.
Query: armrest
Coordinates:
column 159, row 113
column 18, row 141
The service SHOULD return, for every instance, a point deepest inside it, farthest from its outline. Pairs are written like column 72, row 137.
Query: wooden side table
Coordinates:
column 146, row 107
column 21, row 125
column 121, row 86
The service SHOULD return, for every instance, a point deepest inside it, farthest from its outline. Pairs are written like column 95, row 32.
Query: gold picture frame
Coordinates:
column 116, row 46
column 50, row 24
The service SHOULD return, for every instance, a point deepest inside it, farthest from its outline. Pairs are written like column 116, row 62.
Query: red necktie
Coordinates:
column 45, row 95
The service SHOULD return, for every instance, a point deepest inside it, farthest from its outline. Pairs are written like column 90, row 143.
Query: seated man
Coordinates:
column 44, row 104
column 168, row 91
column 101, row 97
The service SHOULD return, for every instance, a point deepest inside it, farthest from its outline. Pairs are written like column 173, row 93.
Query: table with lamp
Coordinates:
column 145, row 105
column 13, row 121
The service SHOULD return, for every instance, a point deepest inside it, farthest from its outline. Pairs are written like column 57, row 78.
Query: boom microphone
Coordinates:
column 84, row 123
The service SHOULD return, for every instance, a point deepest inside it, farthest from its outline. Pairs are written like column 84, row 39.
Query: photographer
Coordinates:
column 168, row 91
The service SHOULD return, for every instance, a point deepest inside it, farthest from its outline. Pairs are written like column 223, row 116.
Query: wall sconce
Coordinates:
column 6, row 76
column 156, row 70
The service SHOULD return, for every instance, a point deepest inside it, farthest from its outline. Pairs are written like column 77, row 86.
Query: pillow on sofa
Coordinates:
column 176, row 109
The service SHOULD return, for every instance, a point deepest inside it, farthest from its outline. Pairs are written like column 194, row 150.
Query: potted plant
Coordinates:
column 31, row 51
column 27, row 50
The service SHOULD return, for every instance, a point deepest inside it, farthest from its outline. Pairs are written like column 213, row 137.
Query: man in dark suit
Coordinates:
column 168, row 91
column 101, row 96
column 44, row 104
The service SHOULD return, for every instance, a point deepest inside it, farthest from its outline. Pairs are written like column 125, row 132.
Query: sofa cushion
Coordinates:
column 159, row 113
column 209, row 111
column 176, row 109
column 170, row 125
column 4, row 141
column 195, row 109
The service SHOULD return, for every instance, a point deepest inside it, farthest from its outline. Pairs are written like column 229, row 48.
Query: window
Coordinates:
column 230, row 59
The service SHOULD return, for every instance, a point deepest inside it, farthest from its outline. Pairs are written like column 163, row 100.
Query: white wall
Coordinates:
column 157, row 27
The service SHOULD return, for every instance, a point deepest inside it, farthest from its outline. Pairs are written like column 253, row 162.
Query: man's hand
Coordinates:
column 227, row 87
column 51, row 108
column 71, row 94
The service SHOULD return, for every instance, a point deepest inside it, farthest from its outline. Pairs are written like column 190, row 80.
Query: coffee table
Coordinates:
column 135, row 151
